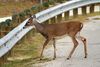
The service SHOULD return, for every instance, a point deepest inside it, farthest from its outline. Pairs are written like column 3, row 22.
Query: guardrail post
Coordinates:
column 84, row 10
column 92, row 8
column 3, row 59
column 46, row 22
column 75, row 12
column 66, row 15
column 3, row 31
column 53, row 20
column 59, row 18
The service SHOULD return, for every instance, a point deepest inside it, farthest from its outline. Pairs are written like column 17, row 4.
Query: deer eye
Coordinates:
column 28, row 22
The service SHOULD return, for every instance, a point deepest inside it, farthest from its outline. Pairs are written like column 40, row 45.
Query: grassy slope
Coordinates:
column 25, row 50
column 7, row 9
column 24, row 53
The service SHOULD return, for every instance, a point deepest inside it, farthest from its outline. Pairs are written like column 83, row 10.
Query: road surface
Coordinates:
column 91, row 31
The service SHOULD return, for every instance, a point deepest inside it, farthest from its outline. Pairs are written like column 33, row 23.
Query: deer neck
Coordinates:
column 38, row 26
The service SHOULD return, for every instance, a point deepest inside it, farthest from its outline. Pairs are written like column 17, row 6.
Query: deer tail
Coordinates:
column 81, row 25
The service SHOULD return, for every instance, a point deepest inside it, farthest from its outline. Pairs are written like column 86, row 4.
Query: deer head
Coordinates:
column 30, row 21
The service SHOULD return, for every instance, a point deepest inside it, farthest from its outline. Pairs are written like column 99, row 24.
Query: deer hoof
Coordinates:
column 85, row 57
column 54, row 58
column 67, row 58
column 40, row 58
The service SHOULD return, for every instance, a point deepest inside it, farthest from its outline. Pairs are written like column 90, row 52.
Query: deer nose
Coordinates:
column 25, row 26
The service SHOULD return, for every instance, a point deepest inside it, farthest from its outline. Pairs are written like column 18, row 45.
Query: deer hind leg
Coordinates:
column 54, row 45
column 85, row 44
column 74, row 47
column 44, row 45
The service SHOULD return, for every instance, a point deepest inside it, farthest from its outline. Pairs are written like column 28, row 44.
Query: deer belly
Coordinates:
column 62, row 36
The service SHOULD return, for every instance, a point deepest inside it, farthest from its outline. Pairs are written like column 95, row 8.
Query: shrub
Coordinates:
column 46, row 4
column 33, row 8
column 51, row 2
column 8, row 21
column 21, row 16
column 27, row 12
column 15, row 17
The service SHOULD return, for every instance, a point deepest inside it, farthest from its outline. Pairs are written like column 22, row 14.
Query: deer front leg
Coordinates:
column 75, row 45
column 54, row 45
column 45, row 43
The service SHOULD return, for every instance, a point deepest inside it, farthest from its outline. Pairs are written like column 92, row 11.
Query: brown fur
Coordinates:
column 50, row 31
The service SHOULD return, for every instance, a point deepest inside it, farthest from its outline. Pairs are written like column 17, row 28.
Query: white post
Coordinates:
column 41, row 1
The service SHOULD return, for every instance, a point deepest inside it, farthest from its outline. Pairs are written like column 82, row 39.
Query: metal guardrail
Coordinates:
column 8, row 41
column 51, row 12
column 12, row 33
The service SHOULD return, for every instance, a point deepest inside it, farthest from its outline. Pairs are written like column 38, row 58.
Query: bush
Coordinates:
column 27, row 12
column 33, row 8
column 46, row 4
column 3, row 23
column 51, row 2
column 8, row 21
column 22, row 16
column 15, row 17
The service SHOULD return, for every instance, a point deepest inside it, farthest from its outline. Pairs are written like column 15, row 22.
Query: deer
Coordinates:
column 51, row 31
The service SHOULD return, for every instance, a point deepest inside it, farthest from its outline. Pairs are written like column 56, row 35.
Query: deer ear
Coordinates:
column 34, row 16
